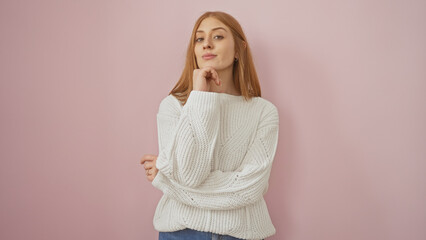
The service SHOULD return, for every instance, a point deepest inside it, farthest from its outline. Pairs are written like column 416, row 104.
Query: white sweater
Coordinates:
column 214, row 161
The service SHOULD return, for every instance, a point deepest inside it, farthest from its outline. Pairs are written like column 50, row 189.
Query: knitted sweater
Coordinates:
column 214, row 162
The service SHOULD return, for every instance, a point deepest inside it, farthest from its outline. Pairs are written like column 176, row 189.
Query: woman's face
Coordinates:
column 213, row 37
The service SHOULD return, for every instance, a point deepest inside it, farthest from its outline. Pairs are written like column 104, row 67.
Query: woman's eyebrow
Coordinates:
column 213, row 29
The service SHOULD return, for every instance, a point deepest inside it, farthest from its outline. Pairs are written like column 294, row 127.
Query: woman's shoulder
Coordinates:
column 170, row 105
column 269, row 114
column 266, row 105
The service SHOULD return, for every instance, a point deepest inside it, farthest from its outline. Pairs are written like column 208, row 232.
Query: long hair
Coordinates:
column 244, row 73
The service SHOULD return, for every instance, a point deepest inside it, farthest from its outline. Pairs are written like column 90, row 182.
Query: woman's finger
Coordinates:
column 150, row 178
column 152, row 174
column 148, row 165
column 148, row 157
column 216, row 76
column 206, row 73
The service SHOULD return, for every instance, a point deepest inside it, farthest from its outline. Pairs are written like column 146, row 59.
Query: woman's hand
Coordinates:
column 149, row 160
column 202, row 78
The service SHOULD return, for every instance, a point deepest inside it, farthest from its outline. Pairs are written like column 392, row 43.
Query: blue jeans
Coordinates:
column 190, row 234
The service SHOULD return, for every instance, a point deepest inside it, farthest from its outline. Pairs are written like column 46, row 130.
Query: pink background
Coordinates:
column 81, row 82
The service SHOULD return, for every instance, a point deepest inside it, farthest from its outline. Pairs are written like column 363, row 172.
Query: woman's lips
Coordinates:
column 207, row 57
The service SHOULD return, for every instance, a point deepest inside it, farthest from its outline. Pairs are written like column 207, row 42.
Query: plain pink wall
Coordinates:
column 81, row 82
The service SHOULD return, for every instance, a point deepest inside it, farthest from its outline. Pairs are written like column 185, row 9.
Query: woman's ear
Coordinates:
column 245, row 44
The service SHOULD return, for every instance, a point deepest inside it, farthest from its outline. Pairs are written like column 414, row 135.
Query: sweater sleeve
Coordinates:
column 230, row 190
column 187, row 137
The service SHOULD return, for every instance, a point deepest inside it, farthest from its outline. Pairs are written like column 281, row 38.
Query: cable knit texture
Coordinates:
column 214, row 161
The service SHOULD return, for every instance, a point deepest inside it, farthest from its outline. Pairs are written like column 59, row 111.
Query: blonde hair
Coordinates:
column 244, row 72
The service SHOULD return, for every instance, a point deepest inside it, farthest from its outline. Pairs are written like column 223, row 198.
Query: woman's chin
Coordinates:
column 209, row 64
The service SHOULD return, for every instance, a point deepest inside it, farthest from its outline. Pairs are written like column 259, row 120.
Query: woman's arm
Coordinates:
column 230, row 190
column 188, row 137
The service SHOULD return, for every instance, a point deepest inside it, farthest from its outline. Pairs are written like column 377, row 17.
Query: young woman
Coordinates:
column 217, row 141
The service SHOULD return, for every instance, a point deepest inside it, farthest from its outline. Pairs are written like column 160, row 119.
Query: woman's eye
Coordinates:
column 219, row 37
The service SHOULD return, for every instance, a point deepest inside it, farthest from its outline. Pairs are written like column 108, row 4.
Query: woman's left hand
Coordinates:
column 149, row 160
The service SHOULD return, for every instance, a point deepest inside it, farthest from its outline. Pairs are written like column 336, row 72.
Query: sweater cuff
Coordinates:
column 162, row 164
column 202, row 100
column 156, row 180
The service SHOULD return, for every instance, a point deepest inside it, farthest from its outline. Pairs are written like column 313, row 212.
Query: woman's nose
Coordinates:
column 207, row 44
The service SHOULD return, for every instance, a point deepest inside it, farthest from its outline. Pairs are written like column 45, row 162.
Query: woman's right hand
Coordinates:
column 149, row 162
column 202, row 78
